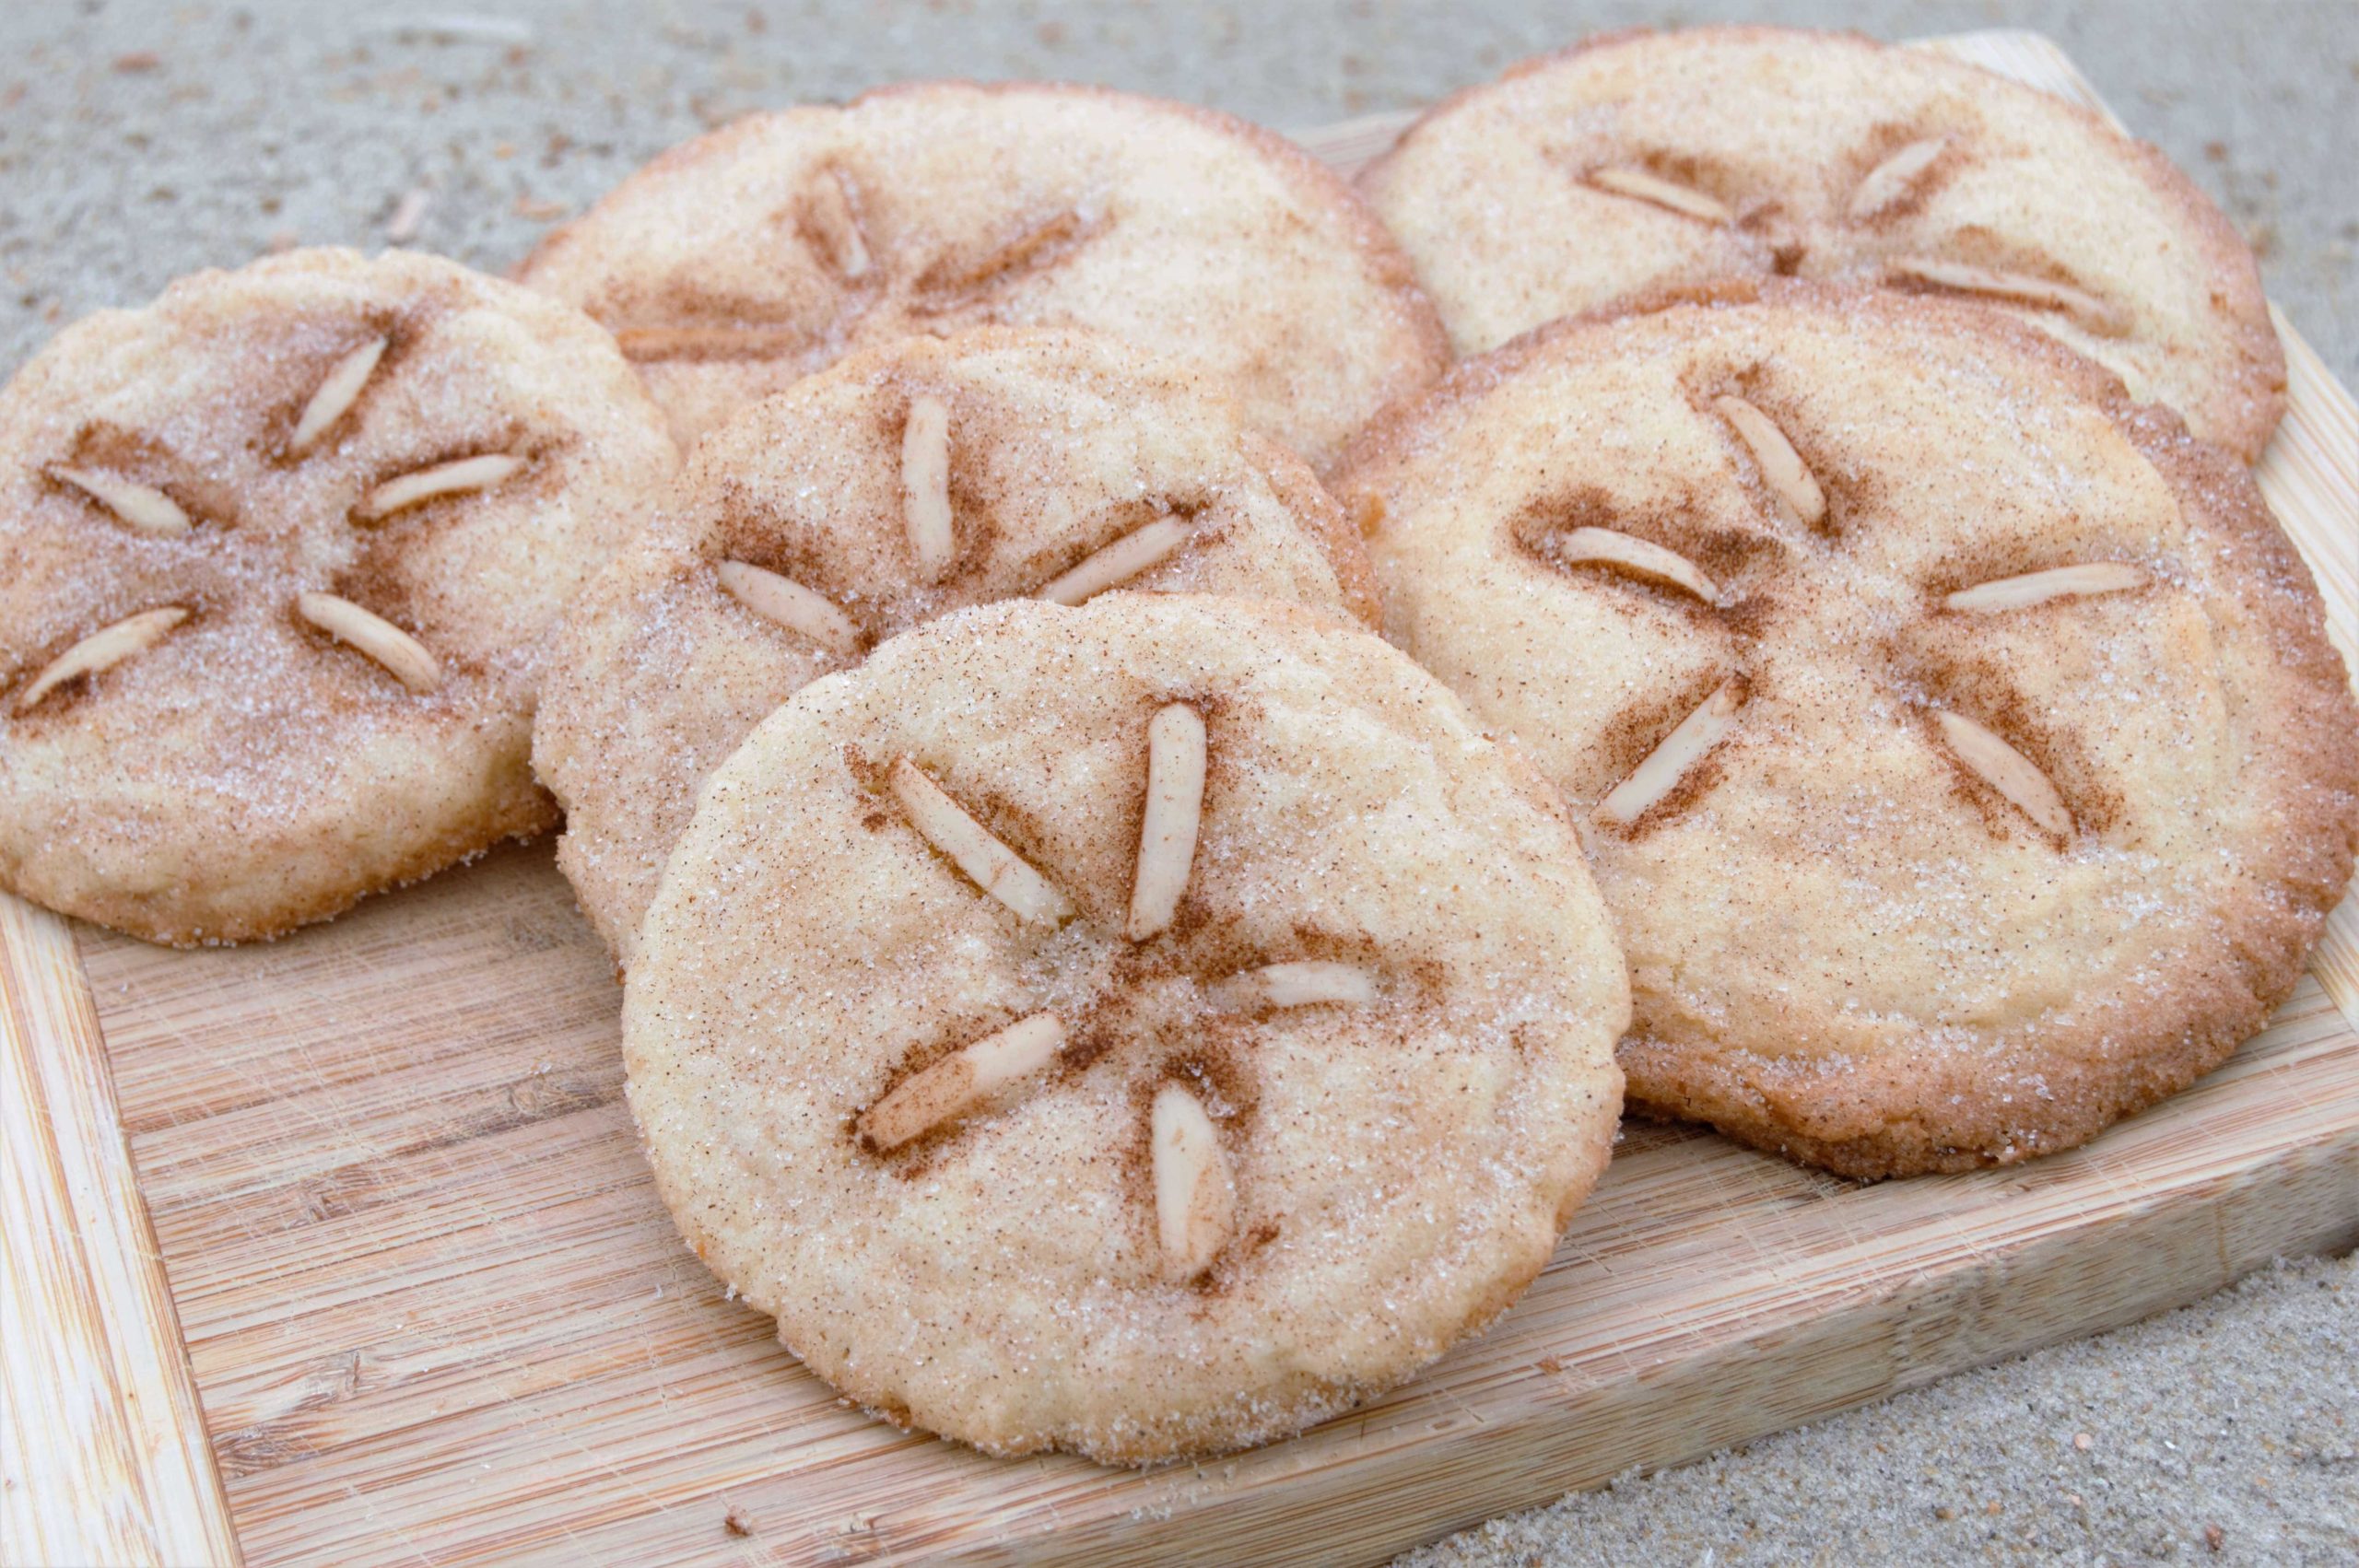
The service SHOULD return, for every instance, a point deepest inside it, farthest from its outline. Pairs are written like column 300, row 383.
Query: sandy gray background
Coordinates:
column 138, row 141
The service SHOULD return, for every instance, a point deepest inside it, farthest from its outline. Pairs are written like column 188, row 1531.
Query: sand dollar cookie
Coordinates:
column 1142, row 1029
column 907, row 481
column 746, row 258
column 280, row 545
column 1957, row 744
column 1641, row 161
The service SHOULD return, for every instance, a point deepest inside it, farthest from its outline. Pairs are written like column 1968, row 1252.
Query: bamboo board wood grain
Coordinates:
column 435, row 1312
column 103, row 1448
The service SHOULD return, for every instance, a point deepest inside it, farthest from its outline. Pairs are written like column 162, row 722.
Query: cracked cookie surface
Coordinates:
column 1142, row 1029
column 736, row 262
column 1640, row 162
column 282, row 544
column 909, row 480
column 1958, row 745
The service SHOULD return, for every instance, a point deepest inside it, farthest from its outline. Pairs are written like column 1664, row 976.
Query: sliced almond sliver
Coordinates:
column 1195, row 1205
column 337, row 392
column 374, row 634
column 1308, row 983
column 1117, row 563
column 1646, row 187
column 644, row 344
column 139, row 507
column 101, row 649
column 2100, row 316
column 1782, row 468
column 1889, row 181
column 954, row 1085
column 1641, row 556
column 946, row 282
column 828, row 210
column 2006, row 771
column 1175, row 803
column 992, row 865
column 1669, row 762
column 443, row 479
column 2037, row 588
column 925, row 485
column 791, row 605
column 1027, row 249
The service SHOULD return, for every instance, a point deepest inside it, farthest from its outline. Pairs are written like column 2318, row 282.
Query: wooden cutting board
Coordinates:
column 407, row 1262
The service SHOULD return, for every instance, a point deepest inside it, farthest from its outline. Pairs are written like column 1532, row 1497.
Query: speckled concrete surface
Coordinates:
column 2227, row 1432
column 140, row 141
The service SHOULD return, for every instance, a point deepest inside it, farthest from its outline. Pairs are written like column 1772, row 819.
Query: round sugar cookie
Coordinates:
column 1957, row 744
column 907, row 481
column 738, row 261
column 1644, row 161
column 1142, row 1029
column 280, row 546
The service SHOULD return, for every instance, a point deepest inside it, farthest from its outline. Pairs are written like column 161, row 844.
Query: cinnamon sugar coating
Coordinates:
column 1642, row 161
column 1049, row 1180
column 1059, row 464
column 739, row 262
column 1922, row 862
column 349, row 495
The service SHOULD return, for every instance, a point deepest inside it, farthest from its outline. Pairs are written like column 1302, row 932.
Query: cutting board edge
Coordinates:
column 2188, row 1247
column 109, row 1459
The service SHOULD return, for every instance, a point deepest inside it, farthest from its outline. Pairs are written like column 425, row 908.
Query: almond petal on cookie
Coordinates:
column 1669, row 762
column 1782, row 469
column 1117, row 563
column 337, row 392
column 1642, row 186
column 1640, row 556
column 956, row 1083
column 834, row 227
column 989, row 864
column 371, row 634
column 654, row 343
column 101, row 650
column 456, row 477
column 1890, row 180
column 2101, row 317
column 2037, row 588
column 1194, row 1206
column 2006, row 771
column 790, row 605
column 139, row 507
column 1306, row 983
column 925, row 485
column 1175, row 800
column 949, row 282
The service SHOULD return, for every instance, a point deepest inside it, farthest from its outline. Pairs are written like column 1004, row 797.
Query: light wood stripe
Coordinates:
column 2310, row 475
column 106, row 1453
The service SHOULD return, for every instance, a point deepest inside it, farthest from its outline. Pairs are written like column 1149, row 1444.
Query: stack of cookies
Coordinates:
column 1144, row 816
